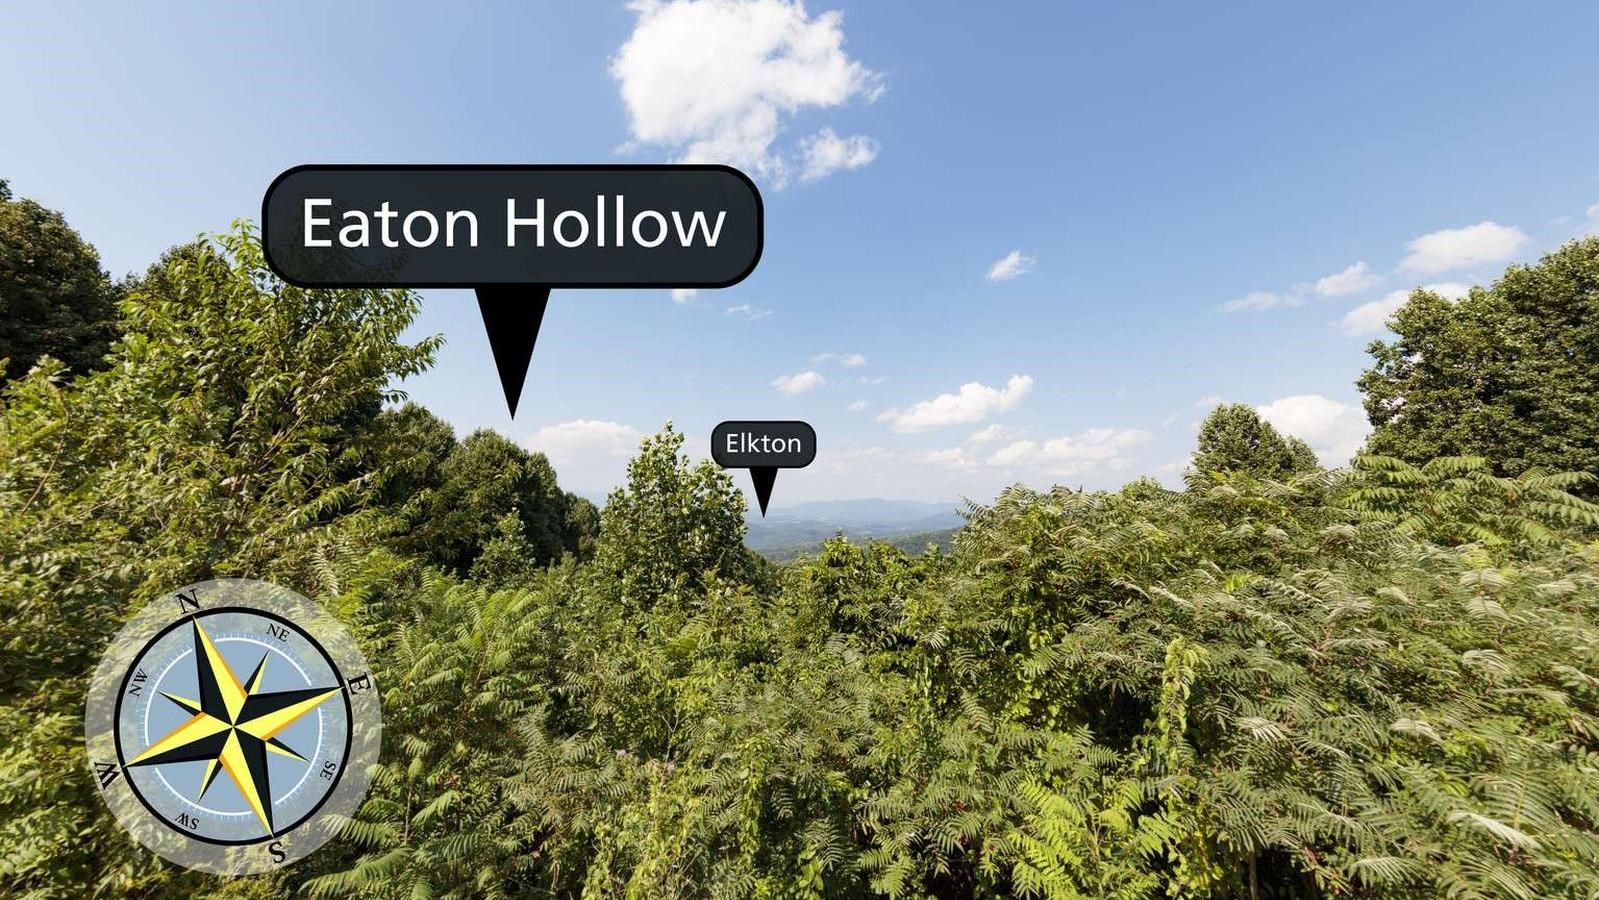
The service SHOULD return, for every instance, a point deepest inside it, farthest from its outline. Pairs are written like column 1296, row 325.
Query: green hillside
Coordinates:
column 1278, row 681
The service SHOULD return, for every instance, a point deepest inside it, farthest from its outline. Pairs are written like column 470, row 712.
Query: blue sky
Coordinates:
column 1150, row 168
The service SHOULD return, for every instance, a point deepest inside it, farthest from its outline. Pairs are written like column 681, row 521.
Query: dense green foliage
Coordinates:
column 1509, row 373
column 54, row 298
column 218, row 442
column 1234, row 438
column 457, row 498
column 1278, row 682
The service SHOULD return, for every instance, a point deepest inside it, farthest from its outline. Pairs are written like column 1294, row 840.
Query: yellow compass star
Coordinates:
column 233, row 726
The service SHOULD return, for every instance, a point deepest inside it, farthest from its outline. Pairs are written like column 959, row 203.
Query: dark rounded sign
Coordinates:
column 607, row 226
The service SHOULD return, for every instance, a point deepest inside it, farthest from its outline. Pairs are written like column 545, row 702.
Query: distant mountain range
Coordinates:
column 791, row 530
column 811, row 523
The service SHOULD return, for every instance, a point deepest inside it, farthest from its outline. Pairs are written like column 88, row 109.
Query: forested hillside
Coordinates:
column 1278, row 681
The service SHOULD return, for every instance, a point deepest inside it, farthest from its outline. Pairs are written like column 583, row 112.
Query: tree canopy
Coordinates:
column 54, row 298
column 1509, row 373
column 1234, row 438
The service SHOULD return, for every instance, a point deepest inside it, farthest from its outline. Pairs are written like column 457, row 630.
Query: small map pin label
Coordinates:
column 763, row 447
column 511, row 233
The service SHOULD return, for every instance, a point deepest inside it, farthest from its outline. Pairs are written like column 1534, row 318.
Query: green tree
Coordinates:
column 1234, row 438
column 483, row 479
column 1509, row 373
column 54, row 298
column 406, row 452
column 214, row 445
column 670, row 525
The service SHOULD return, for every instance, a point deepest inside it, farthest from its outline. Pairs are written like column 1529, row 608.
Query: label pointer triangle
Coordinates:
column 512, row 314
column 764, row 477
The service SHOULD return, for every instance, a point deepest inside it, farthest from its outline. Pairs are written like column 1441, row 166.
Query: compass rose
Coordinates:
column 168, row 716
column 234, row 726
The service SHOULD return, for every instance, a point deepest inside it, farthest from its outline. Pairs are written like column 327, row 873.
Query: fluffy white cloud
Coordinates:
column 1354, row 279
column 683, row 296
column 1371, row 318
column 748, row 311
column 825, row 153
column 1209, row 401
column 1592, row 226
column 991, row 433
column 849, row 360
column 974, row 402
column 869, row 379
column 1014, row 264
column 858, row 406
column 1334, row 430
column 1072, row 455
column 794, row 385
column 1261, row 300
column 567, row 439
column 1456, row 248
column 590, row 454
column 713, row 80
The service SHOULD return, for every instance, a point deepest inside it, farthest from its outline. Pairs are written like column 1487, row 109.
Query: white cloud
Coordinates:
column 1457, row 248
column 1072, row 455
column 1356, row 277
column 590, row 454
column 949, row 458
column 794, row 385
column 684, row 296
column 974, row 402
column 849, row 360
column 1592, row 226
column 1352, row 280
column 1262, row 300
column 582, row 436
column 1334, row 430
column 858, row 406
column 991, row 433
column 825, row 153
column 1371, row 318
column 1014, row 264
column 714, row 80
column 1209, row 401
column 744, row 309
column 869, row 379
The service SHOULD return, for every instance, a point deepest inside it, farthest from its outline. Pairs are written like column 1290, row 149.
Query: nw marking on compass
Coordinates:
column 233, row 726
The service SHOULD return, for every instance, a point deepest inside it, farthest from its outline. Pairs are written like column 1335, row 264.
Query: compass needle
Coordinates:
column 192, row 706
column 249, row 776
column 274, row 745
column 254, row 683
column 194, row 739
column 267, row 714
column 220, row 692
column 210, row 776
